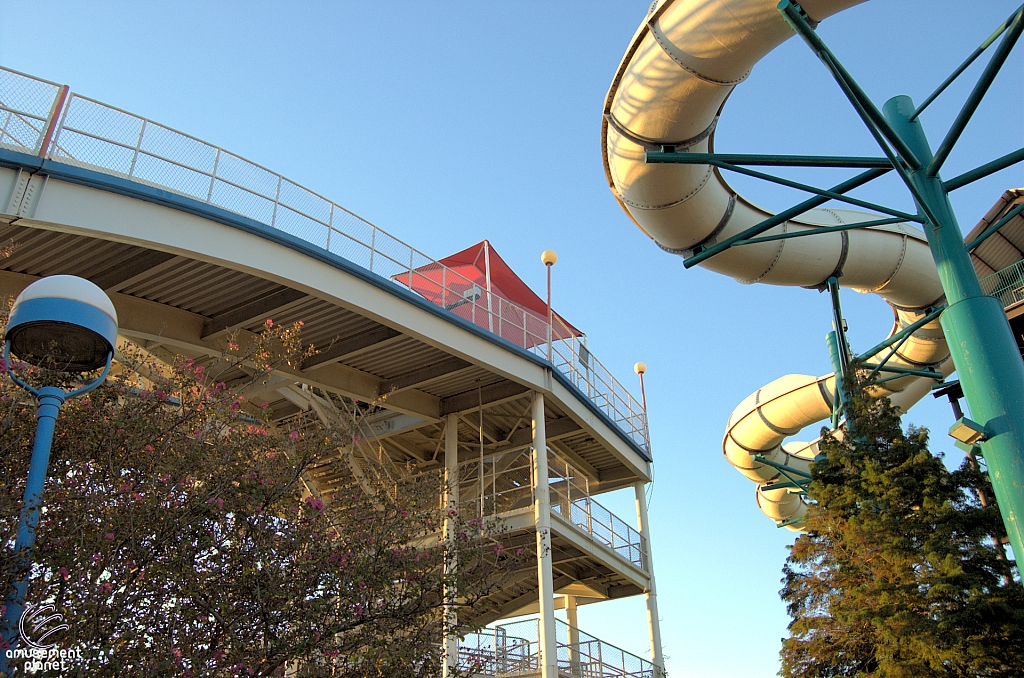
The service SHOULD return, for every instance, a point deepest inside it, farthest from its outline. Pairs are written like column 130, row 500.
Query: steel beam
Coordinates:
column 506, row 390
column 832, row 195
column 423, row 374
column 783, row 216
column 350, row 345
column 994, row 228
column 666, row 156
column 253, row 311
column 818, row 231
column 963, row 66
column 983, row 171
column 978, row 93
column 117, row 274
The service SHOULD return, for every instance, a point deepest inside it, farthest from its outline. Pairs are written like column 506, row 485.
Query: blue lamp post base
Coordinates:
column 50, row 399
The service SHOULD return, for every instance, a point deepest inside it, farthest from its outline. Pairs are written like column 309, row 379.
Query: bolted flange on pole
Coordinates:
column 980, row 340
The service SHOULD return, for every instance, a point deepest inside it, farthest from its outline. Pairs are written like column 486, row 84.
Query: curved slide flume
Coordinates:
column 670, row 88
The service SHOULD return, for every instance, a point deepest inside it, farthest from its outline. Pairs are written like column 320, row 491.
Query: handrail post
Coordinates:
column 51, row 122
column 138, row 145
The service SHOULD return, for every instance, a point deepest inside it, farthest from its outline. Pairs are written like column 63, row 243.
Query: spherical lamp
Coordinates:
column 63, row 322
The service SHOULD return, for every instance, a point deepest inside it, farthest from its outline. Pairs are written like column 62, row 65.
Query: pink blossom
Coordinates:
column 106, row 588
column 499, row 549
column 64, row 574
column 294, row 435
column 109, row 536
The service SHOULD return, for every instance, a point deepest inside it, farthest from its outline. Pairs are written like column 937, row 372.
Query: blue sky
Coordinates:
column 447, row 123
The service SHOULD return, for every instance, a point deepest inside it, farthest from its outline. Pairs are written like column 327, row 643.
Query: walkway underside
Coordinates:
column 172, row 304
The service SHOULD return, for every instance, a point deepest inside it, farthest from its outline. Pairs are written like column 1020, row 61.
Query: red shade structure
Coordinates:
column 476, row 284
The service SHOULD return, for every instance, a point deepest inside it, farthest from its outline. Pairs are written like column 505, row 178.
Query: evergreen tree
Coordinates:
column 898, row 574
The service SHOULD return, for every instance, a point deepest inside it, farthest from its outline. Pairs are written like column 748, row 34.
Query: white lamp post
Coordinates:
column 548, row 258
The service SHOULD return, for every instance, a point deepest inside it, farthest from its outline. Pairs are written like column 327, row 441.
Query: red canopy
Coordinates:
column 477, row 284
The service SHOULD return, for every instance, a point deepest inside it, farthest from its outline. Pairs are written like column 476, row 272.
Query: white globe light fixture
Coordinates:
column 640, row 368
column 64, row 323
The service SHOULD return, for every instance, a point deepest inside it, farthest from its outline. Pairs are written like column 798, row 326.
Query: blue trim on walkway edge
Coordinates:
column 181, row 203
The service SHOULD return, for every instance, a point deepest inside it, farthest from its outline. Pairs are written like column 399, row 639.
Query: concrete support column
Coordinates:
column 451, row 507
column 651, row 596
column 542, row 518
column 575, row 669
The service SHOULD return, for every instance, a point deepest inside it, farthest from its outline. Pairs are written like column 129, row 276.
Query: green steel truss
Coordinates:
column 982, row 347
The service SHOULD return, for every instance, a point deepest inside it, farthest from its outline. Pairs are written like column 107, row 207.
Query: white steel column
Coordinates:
column 451, row 505
column 575, row 670
column 542, row 517
column 651, row 596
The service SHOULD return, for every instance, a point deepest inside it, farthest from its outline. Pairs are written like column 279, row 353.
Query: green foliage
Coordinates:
column 180, row 536
column 898, row 575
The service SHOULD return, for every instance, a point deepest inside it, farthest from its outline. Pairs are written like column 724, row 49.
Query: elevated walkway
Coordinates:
column 193, row 243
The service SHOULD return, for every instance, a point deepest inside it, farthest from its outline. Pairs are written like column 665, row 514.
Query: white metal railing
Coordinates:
column 1007, row 284
column 504, row 482
column 513, row 649
column 43, row 118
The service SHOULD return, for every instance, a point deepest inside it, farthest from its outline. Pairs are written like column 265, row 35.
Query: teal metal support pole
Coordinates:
column 988, row 168
column 840, row 324
column 963, row 67
column 994, row 228
column 782, row 181
column 980, row 341
column 976, row 95
column 817, row 231
column 795, row 211
column 837, row 366
column 667, row 156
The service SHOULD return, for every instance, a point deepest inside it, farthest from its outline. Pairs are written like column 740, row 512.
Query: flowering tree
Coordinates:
column 181, row 535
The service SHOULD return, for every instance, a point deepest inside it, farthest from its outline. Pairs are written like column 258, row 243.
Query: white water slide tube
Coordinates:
column 670, row 88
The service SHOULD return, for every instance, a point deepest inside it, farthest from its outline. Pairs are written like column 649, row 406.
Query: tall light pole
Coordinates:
column 548, row 258
column 68, row 324
column 640, row 368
